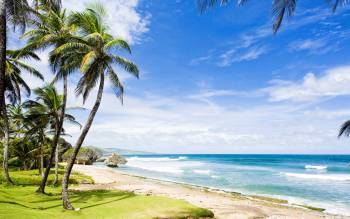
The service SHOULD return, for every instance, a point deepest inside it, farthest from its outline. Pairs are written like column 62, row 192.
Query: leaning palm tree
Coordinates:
column 52, row 30
column 45, row 111
column 94, row 54
column 280, row 8
column 13, row 83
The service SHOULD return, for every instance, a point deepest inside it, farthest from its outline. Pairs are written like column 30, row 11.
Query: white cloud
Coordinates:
column 178, row 125
column 207, row 94
column 307, row 44
column 334, row 82
column 123, row 17
column 239, row 55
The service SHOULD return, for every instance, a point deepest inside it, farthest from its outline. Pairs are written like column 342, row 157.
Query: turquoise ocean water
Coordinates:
column 317, row 180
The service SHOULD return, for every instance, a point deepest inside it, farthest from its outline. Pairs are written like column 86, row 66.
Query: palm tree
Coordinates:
column 53, row 30
column 15, row 12
column 13, row 83
column 279, row 8
column 94, row 54
column 45, row 111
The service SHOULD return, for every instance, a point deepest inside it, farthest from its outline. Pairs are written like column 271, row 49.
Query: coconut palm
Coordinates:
column 94, row 55
column 280, row 8
column 13, row 12
column 52, row 30
column 45, row 111
column 13, row 82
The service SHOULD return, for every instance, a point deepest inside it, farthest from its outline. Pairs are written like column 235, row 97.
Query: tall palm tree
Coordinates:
column 15, row 13
column 280, row 8
column 13, row 83
column 52, row 30
column 45, row 110
column 94, row 54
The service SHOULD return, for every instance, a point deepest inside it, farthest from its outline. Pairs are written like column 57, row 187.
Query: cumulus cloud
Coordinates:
column 334, row 82
column 123, row 17
column 180, row 125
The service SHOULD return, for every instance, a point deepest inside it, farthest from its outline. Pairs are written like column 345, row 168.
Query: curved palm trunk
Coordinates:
column 65, row 197
column 41, row 188
column 55, row 182
column 41, row 159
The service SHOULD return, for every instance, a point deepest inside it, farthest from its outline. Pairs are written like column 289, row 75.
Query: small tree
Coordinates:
column 114, row 160
column 86, row 155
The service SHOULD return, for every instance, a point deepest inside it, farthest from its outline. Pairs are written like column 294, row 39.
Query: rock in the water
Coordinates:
column 114, row 160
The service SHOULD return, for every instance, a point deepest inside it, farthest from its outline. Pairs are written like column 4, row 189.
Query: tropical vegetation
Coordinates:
column 86, row 155
column 32, row 130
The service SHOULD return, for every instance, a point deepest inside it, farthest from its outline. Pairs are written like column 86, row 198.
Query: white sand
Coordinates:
column 224, row 205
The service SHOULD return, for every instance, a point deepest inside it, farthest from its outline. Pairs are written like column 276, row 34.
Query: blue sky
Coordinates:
column 221, row 82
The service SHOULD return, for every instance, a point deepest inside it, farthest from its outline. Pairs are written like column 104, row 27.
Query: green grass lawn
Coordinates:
column 21, row 202
column 32, row 177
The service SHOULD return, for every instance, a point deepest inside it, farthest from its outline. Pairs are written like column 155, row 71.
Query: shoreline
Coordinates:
column 224, row 204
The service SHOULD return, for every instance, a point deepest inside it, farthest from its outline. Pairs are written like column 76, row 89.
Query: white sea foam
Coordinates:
column 215, row 176
column 333, row 177
column 315, row 167
column 155, row 159
column 162, row 164
column 206, row 172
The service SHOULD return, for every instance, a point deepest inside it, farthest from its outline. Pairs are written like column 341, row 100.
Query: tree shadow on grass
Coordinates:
column 80, row 197
column 98, row 196
column 14, row 203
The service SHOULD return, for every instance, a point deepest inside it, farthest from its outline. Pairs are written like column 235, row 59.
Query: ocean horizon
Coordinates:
column 317, row 180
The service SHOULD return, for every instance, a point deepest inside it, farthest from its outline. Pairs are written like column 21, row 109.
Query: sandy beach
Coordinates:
column 224, row 205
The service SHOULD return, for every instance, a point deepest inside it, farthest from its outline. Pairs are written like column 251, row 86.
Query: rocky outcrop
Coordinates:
column 114, row 160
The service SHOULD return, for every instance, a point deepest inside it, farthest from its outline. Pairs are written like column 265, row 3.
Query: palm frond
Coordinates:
column 204, row 5
column 127, row 65
column 87, row 61
column 117, row 85
column 28, row 68
column 344, row 129
column 279, row 9
column 118, row 43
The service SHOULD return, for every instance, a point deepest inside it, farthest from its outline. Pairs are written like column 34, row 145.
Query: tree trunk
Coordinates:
column 2, row 55
column 6, row 148
column 41, row 188
column 3, row 115
column 41, row 159
column 65, row 197
column 55, row 182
